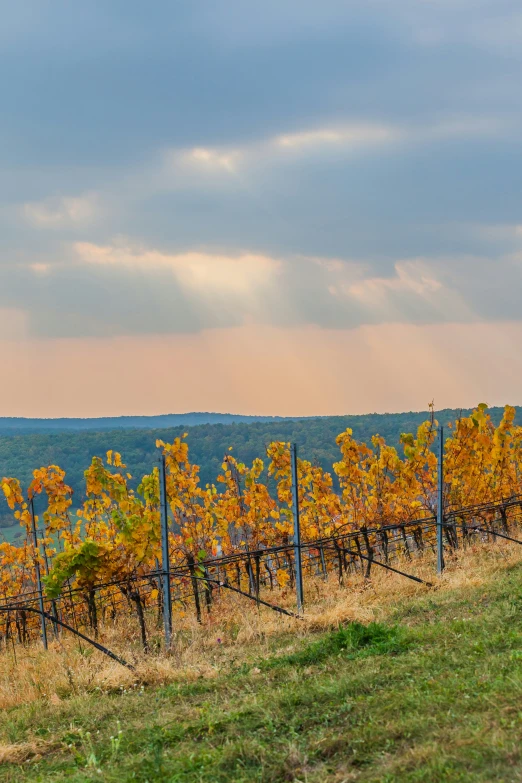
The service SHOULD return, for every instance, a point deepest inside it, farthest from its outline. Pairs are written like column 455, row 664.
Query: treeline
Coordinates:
column 20, row 454
column 10, row 425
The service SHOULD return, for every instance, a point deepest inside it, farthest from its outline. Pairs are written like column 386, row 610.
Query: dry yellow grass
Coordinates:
column 23, row 751
column 236, row 631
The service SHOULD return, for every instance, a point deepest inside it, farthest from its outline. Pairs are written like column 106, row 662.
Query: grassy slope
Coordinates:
column 438, row 699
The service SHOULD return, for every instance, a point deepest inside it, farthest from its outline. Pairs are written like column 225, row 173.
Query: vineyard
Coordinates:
column 172, row 548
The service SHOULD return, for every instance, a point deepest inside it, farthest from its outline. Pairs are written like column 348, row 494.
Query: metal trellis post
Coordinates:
column 165, row 555
column 53, row 602
column 38, row 575
column 297, row 530
column 440, row 502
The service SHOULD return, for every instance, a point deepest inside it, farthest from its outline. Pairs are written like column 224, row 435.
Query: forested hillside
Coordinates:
column 17, row 426
column 21, row 454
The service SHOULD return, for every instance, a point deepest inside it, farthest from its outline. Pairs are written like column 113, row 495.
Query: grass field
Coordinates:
column 429, row 691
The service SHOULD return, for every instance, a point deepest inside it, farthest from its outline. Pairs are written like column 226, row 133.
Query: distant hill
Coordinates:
column 18, row 426
column 73, row 449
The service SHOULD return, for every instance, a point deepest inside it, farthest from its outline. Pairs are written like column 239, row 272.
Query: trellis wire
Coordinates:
column 350, row 549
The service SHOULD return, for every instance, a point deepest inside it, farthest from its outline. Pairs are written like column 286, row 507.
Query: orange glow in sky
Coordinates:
column 264, row 371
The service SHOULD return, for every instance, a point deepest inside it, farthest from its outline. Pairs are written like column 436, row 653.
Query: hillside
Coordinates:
column 19, row 426
column 20, row 454
column 429, row 691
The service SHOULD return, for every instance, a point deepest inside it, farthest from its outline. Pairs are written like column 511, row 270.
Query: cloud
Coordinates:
column 323, row 164
column 410, row 277
column 340, row 139
column 205, row 273
column 200, row 156
column 62, row 212
column 186, row 76
column 198, row 166
column 126, row 289
column 351, row 136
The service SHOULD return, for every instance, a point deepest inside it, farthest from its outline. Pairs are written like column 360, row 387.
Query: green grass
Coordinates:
column 355, row 640
column 433, row 694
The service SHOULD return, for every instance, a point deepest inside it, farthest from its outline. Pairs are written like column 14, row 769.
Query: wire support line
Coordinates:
column 493, row 533
column 258, row 600
column 385, row 565
column 98, row 646
column 286, row 550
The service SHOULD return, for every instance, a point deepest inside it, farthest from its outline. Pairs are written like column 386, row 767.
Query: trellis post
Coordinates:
column 165, row 555
column 38, row 574
column 440, row 501
column 297, row 530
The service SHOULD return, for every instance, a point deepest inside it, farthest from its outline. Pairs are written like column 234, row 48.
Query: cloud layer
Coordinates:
column 181, row 168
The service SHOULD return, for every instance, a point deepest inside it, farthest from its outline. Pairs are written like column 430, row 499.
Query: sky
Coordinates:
column 287, row 207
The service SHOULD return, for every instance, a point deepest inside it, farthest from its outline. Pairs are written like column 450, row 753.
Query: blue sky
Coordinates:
column 183, row 170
